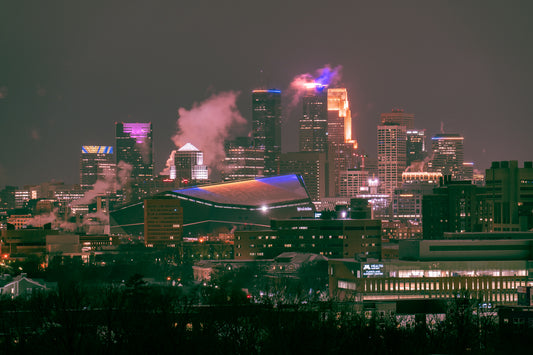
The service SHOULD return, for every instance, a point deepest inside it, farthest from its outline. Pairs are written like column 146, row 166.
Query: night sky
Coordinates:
column 70, row 69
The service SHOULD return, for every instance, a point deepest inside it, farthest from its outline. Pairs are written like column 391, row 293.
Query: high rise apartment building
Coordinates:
column 266, row 127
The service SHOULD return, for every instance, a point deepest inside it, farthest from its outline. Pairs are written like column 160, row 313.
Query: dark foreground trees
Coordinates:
column 140, row 318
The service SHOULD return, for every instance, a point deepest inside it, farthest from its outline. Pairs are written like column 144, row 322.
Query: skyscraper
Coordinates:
column 399, row 117
column 341, row 146
column 416, row 145
column 339, row 117
column 448, row 154
column 96, row 162
column 134, row 147
column 311, row 166
column 189, row 165
column 351, row 181
column 314, row 121
column 468, row 171
column 391, row 156
column 266, row 127
column 243, row 159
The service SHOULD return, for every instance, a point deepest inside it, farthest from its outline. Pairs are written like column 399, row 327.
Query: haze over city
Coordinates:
column 69, row 71
column 270, row 177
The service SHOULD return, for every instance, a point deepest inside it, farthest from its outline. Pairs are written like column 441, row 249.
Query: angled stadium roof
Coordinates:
column 248, row 205
column 267, row 191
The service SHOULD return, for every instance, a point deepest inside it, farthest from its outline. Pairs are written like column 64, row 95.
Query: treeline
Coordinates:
column 140, row 318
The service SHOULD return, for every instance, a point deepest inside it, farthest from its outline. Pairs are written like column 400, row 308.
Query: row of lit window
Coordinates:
column 372, row 286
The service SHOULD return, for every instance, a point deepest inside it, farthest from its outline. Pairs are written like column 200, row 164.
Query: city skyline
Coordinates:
column 64, row 81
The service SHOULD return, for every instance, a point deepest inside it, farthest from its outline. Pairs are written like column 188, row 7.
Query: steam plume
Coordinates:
column 107, row 184
column 123, row 173
column 41, row 220
column 96, row 218
column 323, row 76
column 144, row 149
column 207, row 124
column 420, row 165
column 53, row 218
column 170, row 162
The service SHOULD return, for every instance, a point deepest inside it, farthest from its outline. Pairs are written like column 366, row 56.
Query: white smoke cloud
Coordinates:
column 67, row 226
column 56, row 222
column 169, row 163
column 208, row 124
column 99, row 189
column 144, row 149
column 123, row 173
column 42, row 219
column 95, row 223
column 420, row 165
column 96, row 218
column 109, row 183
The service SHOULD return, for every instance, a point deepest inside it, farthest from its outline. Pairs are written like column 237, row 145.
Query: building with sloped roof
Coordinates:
column 21, row 285
column 240, row 205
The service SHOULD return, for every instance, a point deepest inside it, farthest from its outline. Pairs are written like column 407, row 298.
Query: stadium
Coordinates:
column 240, row 205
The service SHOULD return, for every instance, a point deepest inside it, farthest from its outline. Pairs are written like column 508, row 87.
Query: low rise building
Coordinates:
column 336, row 238
column 489, row 270
column 20, row 285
